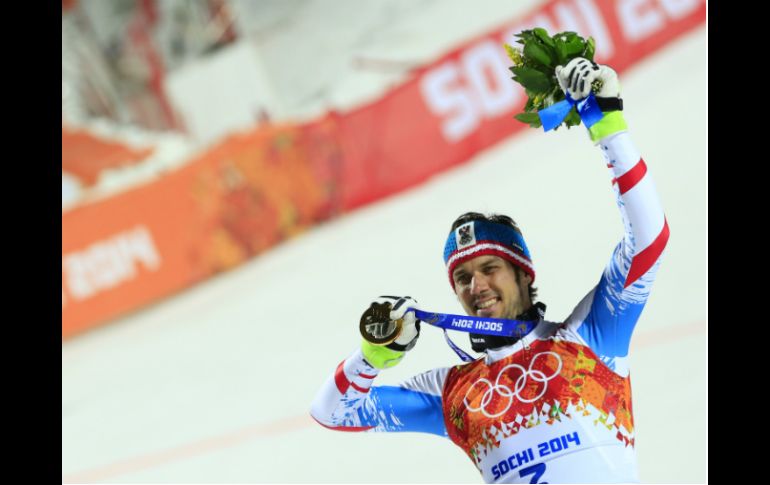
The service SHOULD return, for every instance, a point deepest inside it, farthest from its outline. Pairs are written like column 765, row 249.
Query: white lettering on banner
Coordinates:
column 677, row 9
column 639, row 18
column 642, row 18
column 584, row 17
column 105, row 264
column 597, row 28
column 445, row 96
column 463, row 105
column 487, row 62
column 567, row 18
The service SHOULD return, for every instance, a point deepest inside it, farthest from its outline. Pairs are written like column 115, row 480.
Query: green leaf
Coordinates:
column 527, row 117
column 532, row 79
column 536, row 66
column 590, row 49
column 526, row 34
column 568, row 46
column 556, row 94
column 539, row 38
column 561, row 54
column 542, row 34
column 572, row 119
column 532, row 119
column 534, row 51
column 575, row 47
column 529, row 106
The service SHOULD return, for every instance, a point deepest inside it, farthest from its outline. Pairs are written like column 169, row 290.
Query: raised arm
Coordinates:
column 606, row 317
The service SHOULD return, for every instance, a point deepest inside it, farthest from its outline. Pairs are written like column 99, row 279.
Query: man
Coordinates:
column 552, row 403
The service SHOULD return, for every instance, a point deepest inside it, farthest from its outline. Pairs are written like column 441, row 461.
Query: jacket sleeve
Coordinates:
column 606, row 317
column 348, row 401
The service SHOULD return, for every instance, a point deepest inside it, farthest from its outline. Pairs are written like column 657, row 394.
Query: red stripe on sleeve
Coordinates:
column 339, row 378
column 628, row 180
column 359, row 388
column 367, row 376
column 644, row 260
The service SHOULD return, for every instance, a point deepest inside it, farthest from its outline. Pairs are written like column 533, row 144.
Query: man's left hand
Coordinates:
column 579, row 75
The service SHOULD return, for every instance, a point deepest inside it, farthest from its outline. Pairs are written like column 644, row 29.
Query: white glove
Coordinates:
column 410, row 328
column 577, row 77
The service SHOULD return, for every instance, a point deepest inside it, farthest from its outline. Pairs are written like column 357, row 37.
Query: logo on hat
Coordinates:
column 465, row 235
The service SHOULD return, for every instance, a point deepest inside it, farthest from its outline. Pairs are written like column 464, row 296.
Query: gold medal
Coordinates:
column 376, row 326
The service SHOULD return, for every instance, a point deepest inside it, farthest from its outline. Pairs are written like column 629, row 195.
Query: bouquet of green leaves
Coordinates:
column 534, row 68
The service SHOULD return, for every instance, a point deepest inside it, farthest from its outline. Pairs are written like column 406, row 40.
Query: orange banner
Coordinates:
column 239, row 199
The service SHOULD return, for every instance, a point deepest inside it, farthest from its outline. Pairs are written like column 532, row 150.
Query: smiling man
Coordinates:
column 550, row 403
column 491, row 272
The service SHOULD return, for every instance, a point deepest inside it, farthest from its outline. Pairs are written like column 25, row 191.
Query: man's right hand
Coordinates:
column 383, row 356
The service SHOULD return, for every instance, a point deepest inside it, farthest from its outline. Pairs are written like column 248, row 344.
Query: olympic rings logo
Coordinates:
column 519, row 385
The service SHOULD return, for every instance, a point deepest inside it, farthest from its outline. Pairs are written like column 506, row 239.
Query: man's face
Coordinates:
column 488, row 286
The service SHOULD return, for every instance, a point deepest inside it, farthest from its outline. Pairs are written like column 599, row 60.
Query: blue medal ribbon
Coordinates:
column 587, row 108
column 464, row 356
column 466, row 323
